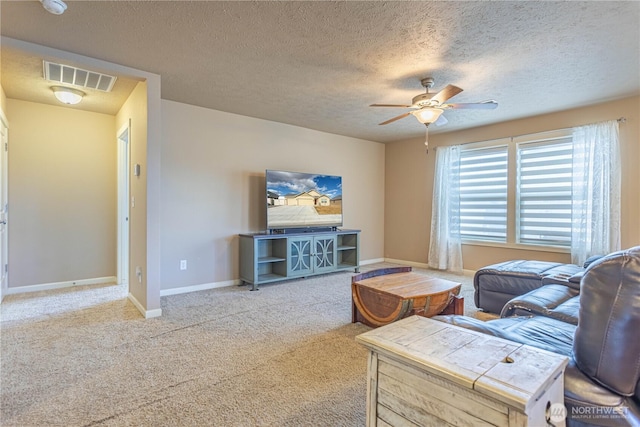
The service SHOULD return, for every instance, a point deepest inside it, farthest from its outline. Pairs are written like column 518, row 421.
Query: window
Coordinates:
column 483, row 194
column 532, row 204
column 544, row 193
column 559, row 190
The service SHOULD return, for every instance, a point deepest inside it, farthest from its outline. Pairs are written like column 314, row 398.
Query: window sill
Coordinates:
column 520, row 246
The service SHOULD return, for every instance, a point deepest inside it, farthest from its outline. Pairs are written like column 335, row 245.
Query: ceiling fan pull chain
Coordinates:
column 426, row 136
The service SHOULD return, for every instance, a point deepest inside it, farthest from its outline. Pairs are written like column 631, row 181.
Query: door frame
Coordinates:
column 4, row 204
column 123, row 138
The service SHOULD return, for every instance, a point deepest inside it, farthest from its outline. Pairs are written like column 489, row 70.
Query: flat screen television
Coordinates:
column 303, row 200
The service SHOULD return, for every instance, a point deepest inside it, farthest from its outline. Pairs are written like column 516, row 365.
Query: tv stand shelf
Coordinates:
column 268, row 258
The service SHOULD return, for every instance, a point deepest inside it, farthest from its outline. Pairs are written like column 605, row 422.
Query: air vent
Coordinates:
column 76, row 76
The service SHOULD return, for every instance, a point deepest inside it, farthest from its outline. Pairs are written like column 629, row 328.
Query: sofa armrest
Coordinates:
column 571, row 281
column 575, row 279
column 540, row 301
column 566, row 274
column 591, row 259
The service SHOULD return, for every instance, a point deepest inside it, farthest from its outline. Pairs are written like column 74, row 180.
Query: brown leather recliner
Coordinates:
column 602, row 380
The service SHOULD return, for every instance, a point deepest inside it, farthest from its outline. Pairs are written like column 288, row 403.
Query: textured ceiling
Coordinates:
column 320, row 64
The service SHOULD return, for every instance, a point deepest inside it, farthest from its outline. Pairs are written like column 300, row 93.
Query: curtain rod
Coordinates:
column 619, row 120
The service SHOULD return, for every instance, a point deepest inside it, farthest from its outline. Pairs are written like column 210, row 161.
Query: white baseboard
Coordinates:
column 225, row 283
column 59, row 285
column 202, row 287
column 371, row 261
column 422, row 265
column 409, row 263
column 148, row 314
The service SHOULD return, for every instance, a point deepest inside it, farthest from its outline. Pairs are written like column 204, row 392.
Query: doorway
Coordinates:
column 4, row 212
column 123, row 137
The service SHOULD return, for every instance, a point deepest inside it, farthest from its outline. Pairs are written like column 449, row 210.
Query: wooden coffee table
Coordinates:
column 423, row 372
column 380, row 297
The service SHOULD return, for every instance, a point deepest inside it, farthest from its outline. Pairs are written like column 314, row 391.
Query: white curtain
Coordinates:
column 596, row 191
column 445, row 248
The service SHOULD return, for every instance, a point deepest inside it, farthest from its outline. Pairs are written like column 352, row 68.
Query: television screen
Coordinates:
column 302, row 200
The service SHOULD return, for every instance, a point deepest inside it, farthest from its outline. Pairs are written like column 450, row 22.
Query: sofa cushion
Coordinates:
column 520, row 268
column 540, row 332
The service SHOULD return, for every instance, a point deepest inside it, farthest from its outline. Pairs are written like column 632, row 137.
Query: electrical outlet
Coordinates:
column 139, row 274
column 183, row 264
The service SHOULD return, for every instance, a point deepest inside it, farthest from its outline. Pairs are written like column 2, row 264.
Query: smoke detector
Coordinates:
column 57, row 7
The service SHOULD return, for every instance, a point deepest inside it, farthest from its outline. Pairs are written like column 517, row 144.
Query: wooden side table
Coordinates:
column 382, row 296
column 429, row 373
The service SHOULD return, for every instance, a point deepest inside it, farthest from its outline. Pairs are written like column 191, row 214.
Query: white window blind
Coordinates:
column 483, row 194
column 543, row 211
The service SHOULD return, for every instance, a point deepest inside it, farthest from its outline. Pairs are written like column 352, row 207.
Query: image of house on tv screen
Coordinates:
column 297, row 199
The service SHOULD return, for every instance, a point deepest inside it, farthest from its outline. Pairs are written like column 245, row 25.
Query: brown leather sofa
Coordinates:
column 602, row 380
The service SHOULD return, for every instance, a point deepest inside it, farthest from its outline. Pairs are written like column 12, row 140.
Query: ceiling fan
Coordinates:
column 428, row 107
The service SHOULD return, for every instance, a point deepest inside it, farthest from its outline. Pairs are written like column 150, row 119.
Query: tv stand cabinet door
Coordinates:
column 299, row 259
column 324, row 254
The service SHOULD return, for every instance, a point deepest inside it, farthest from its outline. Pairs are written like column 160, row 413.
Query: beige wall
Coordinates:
column 135, row 110
column 211, row 185
column 144, row 108
column 409, row 175
column 213, row 188
column 62, row 194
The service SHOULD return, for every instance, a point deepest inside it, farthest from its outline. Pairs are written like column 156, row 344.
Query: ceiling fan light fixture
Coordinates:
column 57, row 7
column 427, row 115
column 67, row 95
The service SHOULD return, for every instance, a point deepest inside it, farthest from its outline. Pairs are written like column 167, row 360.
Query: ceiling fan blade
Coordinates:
column 442, row 120
column 390, row 105
column 448, row 92
column 484, row 105
column 401, row 116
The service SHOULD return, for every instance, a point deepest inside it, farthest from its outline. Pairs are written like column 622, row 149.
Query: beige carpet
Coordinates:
column 282, row 356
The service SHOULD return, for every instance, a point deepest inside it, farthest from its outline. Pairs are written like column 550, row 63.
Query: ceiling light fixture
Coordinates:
column 427, row 115
column 57, row 7
column 67, row 95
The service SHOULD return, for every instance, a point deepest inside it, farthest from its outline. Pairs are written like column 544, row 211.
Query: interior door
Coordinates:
column 4, row 207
